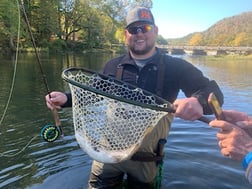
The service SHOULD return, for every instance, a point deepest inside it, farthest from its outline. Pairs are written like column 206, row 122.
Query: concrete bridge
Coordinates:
column 206, row 50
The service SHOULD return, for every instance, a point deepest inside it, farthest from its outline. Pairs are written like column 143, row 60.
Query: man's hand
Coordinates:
column 188, row 108
column 56, row 101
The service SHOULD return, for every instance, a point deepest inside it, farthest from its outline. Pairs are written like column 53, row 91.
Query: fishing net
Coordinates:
column 110, row 117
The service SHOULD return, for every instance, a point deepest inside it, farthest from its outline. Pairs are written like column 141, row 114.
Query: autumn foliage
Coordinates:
column 232, row 31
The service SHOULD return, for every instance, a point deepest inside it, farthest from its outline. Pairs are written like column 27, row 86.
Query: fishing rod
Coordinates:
column 49, row 132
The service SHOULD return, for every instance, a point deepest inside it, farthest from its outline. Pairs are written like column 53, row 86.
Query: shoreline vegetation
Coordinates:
column 62, row 47
column 231, row 56
column 118, row 49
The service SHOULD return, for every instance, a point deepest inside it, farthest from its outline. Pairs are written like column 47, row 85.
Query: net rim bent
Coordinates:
column 65, row 77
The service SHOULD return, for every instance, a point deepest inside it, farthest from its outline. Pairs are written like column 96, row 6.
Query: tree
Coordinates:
column 161, row 40
column 44, row 19
column 10, row 24
column 196, row 39
column 242, row 39
column 92, row 22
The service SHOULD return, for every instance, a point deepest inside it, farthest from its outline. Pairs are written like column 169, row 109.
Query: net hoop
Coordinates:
column 166, row 106
column 111, row 117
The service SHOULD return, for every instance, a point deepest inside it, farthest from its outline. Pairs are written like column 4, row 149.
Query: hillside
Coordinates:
column 231, row 31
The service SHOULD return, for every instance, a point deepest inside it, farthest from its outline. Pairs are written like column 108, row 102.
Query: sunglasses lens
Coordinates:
column 132, row 30
column 147, row 28
column 143, row 28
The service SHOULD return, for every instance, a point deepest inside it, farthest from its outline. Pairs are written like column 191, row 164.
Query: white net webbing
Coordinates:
column 108, row 126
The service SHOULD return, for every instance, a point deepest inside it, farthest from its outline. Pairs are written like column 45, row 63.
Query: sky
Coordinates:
column 178, row 18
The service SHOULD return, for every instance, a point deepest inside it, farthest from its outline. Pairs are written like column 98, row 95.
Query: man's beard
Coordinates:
column 140, row 52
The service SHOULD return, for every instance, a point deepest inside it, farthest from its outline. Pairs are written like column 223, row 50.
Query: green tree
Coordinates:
column 10, row 24
column 161, row 40
column 94, row 23
column 44, row 19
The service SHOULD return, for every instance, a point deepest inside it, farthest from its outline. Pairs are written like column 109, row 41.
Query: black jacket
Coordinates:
column 174, row 74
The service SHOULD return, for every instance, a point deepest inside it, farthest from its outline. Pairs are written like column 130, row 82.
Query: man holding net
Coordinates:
column 148, row 68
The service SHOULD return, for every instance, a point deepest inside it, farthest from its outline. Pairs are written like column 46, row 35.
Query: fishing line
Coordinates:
column 20, row 151
column 49, row 132
column 12, row 88
column 15, row 70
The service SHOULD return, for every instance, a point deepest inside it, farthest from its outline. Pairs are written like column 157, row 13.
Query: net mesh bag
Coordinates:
column 110, row 117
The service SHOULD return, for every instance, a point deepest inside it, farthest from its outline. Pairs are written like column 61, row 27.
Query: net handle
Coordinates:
column 143, row 105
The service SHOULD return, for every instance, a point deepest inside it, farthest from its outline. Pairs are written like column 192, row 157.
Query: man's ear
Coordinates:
column 126, row 33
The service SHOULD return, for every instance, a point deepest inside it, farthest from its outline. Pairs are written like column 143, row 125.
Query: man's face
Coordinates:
column 141, row 37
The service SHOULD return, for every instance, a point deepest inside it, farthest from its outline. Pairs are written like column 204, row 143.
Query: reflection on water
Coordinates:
column 192, row 156
column 235, row 73
column 234, row 77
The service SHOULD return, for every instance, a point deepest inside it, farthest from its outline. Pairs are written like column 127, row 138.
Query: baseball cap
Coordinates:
column 139, row 14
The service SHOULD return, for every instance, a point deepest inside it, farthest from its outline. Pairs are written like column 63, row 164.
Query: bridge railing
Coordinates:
column 187, row 47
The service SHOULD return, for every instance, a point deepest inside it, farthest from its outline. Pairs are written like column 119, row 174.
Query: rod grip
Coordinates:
column 56, row 117
column 57, row 120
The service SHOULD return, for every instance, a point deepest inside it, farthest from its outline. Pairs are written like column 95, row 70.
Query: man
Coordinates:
column 148, row 68
column 235, row 138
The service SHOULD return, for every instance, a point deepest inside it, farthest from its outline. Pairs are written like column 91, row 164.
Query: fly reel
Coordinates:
column 50, row 132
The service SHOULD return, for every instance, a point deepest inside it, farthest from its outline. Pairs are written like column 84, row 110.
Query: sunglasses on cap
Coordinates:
column 143, row 28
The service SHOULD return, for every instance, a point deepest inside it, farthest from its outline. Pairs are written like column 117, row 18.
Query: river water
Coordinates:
column 192, row 160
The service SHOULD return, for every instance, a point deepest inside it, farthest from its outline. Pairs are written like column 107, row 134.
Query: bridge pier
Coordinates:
column 177, row 51
column 199, row 52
